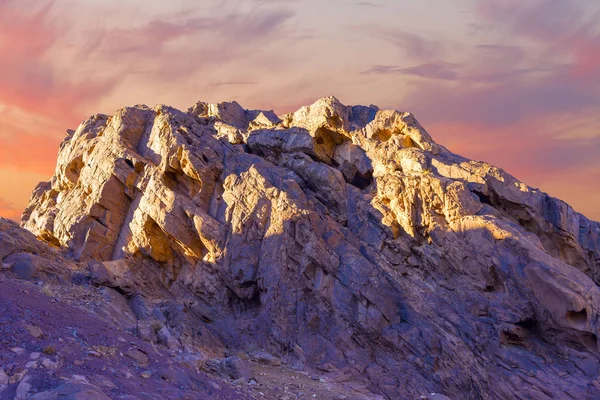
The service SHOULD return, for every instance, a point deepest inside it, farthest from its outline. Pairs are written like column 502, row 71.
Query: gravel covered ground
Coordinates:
column 51, row 347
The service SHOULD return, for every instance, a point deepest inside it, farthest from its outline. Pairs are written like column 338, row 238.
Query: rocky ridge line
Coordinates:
column 341, row 238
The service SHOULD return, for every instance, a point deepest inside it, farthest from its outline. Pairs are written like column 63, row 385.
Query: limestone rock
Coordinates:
column 341, row 237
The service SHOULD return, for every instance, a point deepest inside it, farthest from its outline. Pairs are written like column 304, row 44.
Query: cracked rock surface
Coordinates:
column 339, row 238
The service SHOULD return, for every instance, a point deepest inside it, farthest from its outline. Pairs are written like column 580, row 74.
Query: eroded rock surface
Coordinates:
column 339, row 238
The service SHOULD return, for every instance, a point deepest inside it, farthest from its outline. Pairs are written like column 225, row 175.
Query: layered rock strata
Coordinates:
column 338, row 237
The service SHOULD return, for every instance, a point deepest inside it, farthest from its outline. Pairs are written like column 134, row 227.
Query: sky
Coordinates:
column 515, row 83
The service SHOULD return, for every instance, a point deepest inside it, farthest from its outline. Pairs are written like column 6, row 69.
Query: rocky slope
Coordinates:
column 342, row 239
column 66, row 336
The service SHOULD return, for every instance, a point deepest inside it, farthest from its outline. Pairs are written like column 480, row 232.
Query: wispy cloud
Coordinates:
column 39, row 101
column 368, row 4
column 440, row 70
column 233, row 83
column 29, row 79
column 178, row 47
column 412, row 45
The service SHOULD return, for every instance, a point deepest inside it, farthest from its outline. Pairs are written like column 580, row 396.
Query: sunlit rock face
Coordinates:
column 341, row 237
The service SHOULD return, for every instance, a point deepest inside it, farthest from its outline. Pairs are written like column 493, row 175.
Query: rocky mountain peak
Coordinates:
column 341, row 237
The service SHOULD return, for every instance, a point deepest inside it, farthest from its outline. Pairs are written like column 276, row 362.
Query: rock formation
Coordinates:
column 338, row 238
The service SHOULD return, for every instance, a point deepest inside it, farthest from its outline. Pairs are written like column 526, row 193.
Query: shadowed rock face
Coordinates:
column 341, row 237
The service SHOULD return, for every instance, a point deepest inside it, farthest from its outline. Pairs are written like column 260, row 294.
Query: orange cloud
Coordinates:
column 7, row 210
column 29, row 152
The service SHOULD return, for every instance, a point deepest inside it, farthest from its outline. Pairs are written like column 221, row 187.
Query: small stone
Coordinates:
column 23, row 389
column 166, row 337
column 104, row 382
column 239, row 381
column 17, row 376
column 79, row 378
column 35, row 356
column 78, row 362
column 51, row 365
column 31, row 364
column 10, row 368
column 92, row 353
column 3, row 377
column 18, row 350
column 146, row 332
column 137, row 355
column 146, row 374
column 436, row 396
column 34, row 331
column 252, row 382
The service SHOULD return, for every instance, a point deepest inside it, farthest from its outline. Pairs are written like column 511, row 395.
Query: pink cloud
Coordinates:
column 29, row 79
column 177, row 46
column 565, row 27
column 413, row 45
column 586, row 51
column 439, row 70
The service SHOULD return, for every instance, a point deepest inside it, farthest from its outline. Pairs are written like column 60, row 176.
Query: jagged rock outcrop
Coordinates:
column 341, row 237
column 30, row 259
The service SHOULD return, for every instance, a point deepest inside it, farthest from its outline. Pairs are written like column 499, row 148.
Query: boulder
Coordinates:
column 236, row 368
